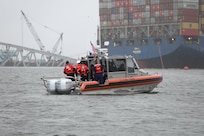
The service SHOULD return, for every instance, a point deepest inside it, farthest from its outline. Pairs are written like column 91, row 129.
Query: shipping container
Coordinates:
column 195, row 1
column 190, row 32
column 188, row 12
column 191, row 19
column 202, row 27
column 188, row 5
column 189, row 25
column 202, row 7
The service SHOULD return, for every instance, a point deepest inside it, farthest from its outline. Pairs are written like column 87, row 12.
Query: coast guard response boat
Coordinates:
column 122, row 75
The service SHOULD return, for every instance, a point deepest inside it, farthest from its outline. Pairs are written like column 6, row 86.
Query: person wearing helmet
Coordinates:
column 78, row 67
column 82, row 70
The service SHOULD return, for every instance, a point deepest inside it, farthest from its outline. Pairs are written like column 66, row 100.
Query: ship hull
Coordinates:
column 181, row 57
column 176, row 55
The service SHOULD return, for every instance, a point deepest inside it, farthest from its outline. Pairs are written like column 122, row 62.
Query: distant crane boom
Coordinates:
column 34, row 33
column 54, row 49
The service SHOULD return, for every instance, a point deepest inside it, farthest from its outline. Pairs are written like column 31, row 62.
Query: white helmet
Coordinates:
column 78, row 61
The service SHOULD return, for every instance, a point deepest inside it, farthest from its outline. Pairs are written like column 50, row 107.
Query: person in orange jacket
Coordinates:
column 82, row 70
column 69, row 69
column 78, row 67
column 98, row 72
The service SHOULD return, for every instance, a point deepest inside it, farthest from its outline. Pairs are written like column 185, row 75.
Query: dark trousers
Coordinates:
column 84, row 78
column 99, row 77
column 71, row 75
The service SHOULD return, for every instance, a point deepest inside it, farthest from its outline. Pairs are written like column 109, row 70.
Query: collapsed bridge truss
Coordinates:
column 15, row 55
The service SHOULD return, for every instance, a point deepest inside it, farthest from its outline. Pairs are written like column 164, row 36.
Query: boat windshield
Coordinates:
column 117, row 65
column 135, row 63
column 131, row 65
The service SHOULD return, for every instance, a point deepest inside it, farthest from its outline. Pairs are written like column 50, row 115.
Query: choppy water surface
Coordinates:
column 27, row 110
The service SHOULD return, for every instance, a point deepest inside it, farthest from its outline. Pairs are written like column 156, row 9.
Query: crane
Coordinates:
column 54, row 49
column 34, row 33
column 37, row 39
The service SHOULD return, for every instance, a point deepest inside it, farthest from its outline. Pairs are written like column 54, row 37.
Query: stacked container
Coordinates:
column 128, row 12
column 124, row 13
column 189, row 17
column 202, row 14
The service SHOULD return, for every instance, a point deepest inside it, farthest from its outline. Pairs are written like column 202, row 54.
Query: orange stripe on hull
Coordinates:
column 134, row 78
column 122, row 82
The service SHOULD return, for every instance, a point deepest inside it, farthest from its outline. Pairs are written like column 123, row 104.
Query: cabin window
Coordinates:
column 116, row 65
column 157, row 41
column 117, row 43
column 130, row 42
column 144, row 42
column 171, row 40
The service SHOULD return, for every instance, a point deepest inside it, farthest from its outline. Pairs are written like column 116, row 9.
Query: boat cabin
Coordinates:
column 114, row 66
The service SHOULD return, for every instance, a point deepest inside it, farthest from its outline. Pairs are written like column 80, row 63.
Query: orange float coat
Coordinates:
column 69, row 69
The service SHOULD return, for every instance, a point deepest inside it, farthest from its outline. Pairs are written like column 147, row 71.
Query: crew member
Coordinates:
column 82, row 70
column 98, row 73
column 69, row 70
column 78, row 67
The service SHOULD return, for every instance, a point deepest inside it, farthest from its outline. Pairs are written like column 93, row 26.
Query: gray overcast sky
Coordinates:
column 77, row 19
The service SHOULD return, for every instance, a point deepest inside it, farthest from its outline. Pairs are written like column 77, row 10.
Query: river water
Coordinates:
column 176, row 108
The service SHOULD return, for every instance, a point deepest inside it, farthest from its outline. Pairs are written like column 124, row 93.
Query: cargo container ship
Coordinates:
column 158, row 33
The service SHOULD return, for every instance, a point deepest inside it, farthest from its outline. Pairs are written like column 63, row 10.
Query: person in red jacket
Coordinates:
column 98, row 73
column 82, row 70
column 78, row 67
column 69, row 70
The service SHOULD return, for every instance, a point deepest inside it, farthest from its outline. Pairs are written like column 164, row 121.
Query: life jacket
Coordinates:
column 69, row 69
column 78, row 68
column 98, row 68
column 84, row 69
